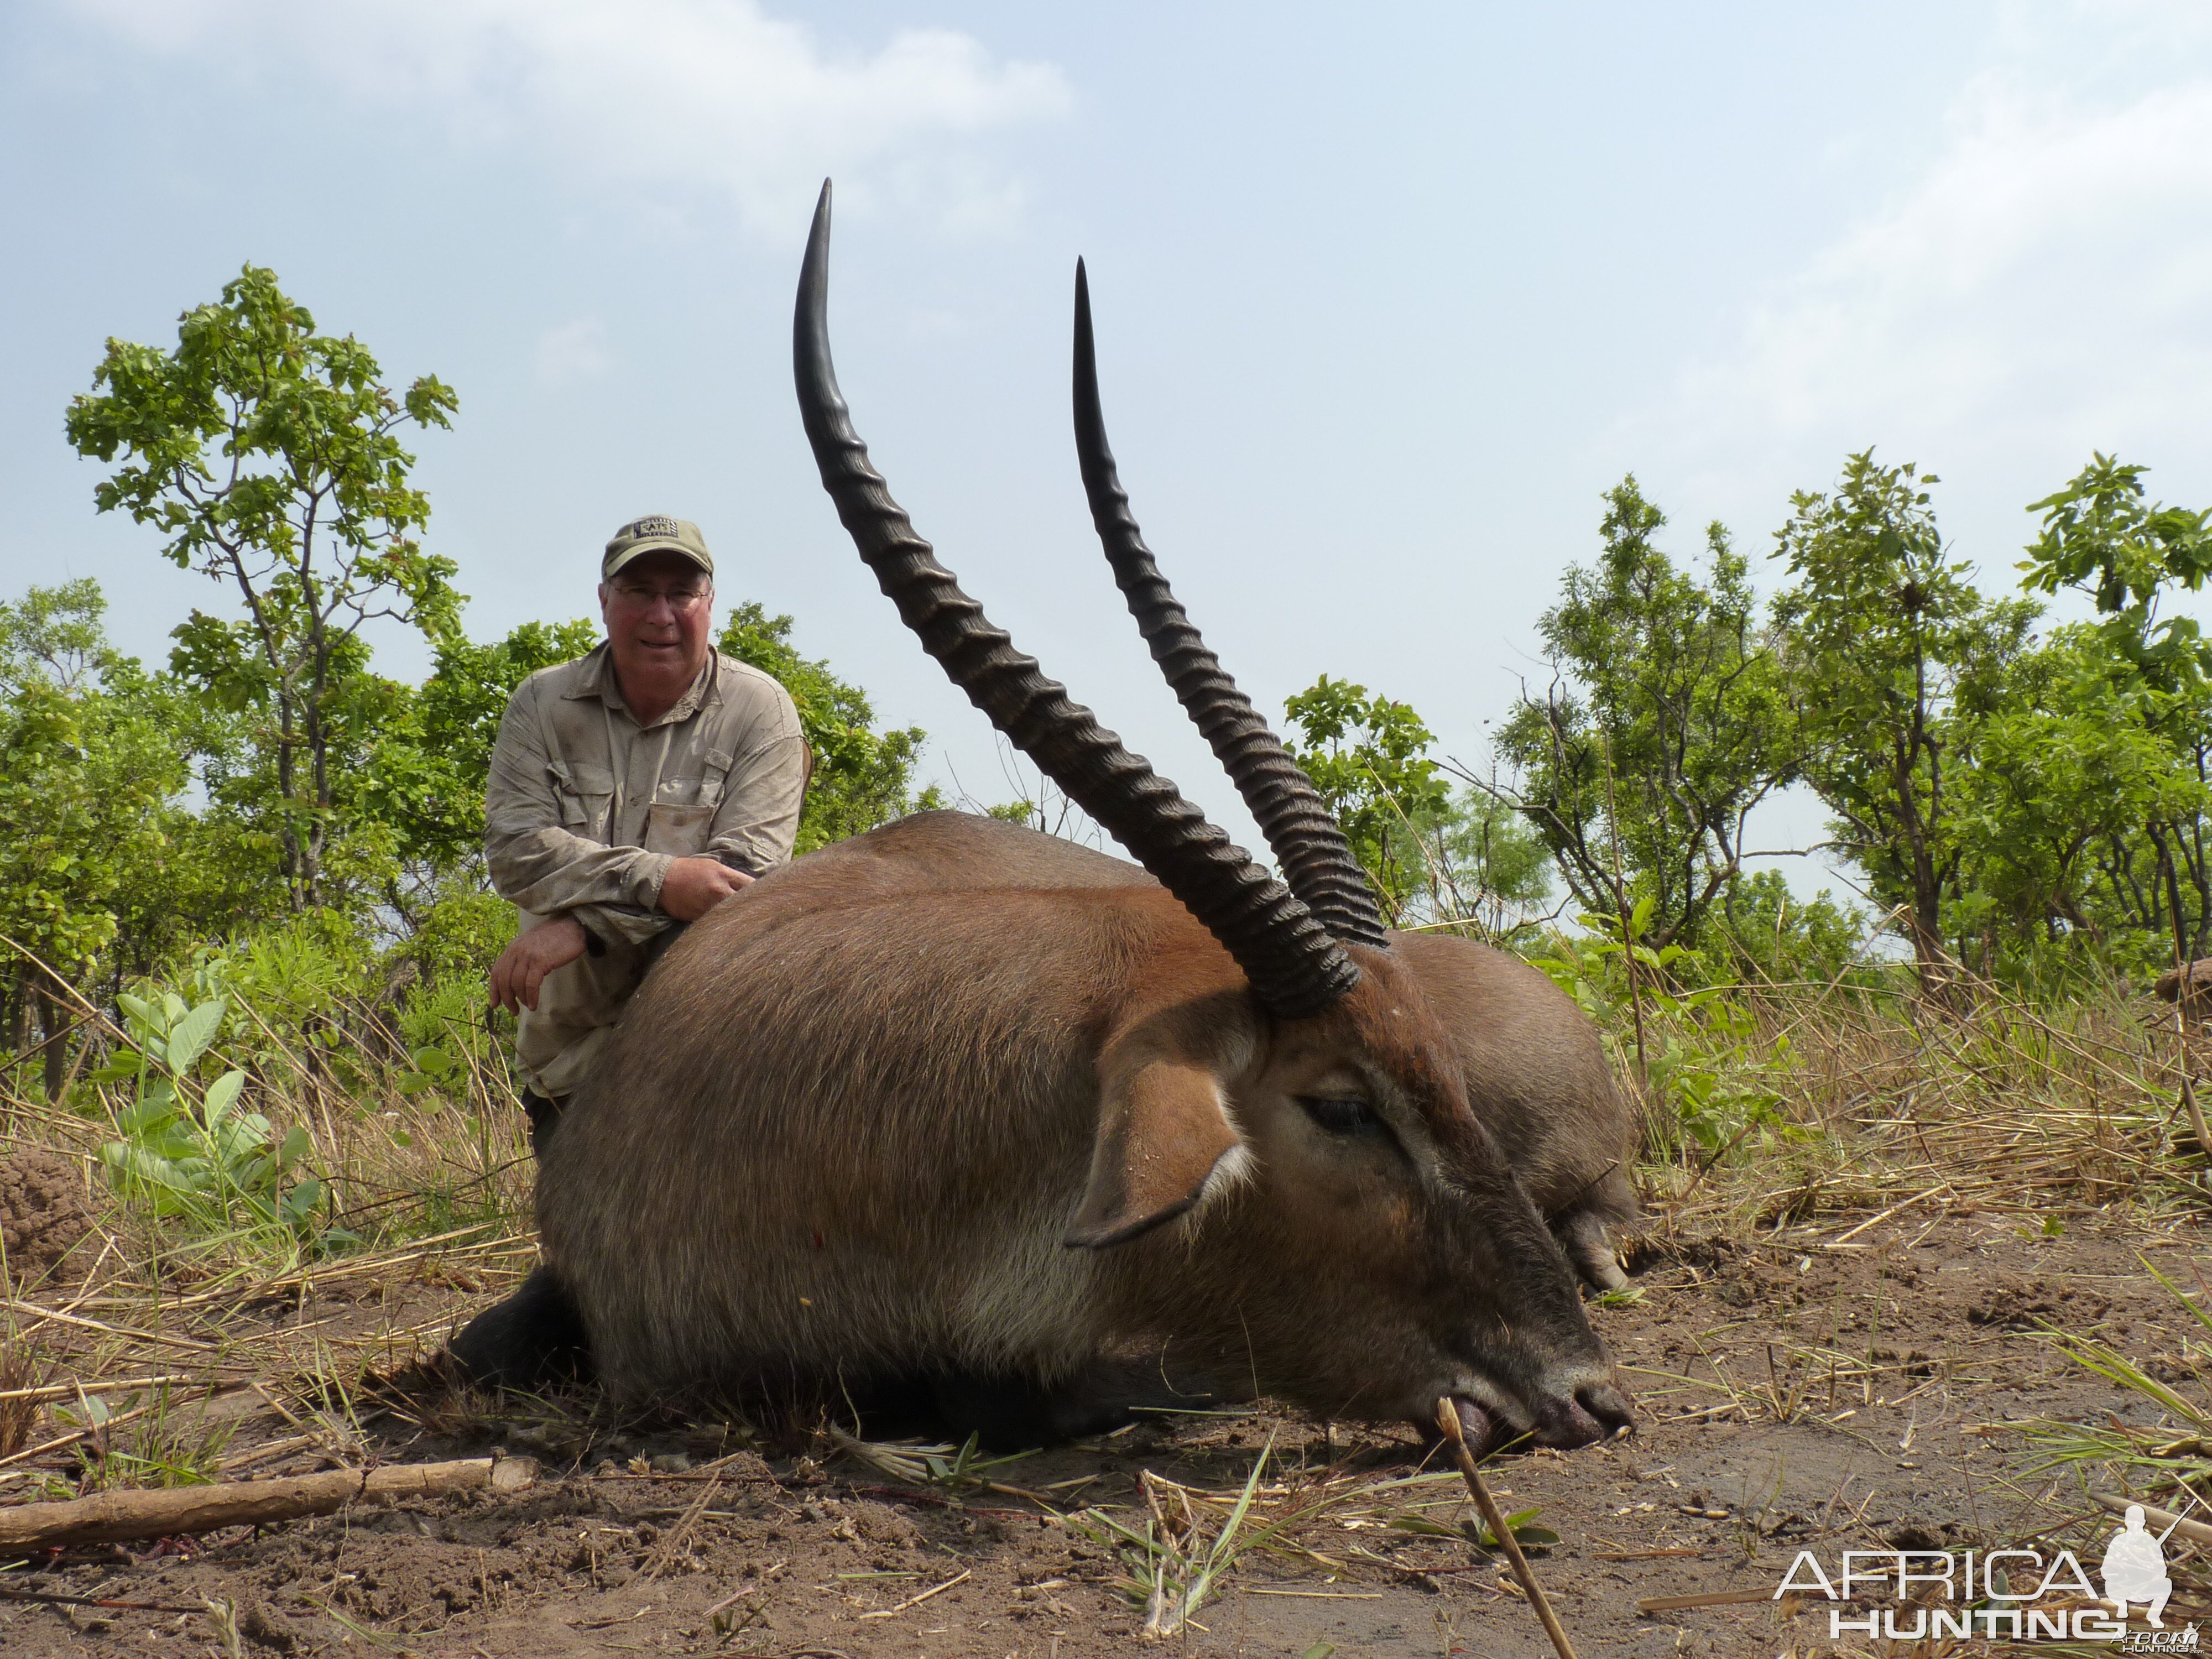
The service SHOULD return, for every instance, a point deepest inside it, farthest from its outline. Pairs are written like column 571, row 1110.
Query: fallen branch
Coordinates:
column 113, row 1516
column 917, row 1600
column 114, row 1385
column 1447, row 1420
column 2154, row 1517
column 48, row 1598
column 1651, row 1604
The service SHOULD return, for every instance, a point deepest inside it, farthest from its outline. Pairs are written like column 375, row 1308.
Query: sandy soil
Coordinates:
column 1805, row 1389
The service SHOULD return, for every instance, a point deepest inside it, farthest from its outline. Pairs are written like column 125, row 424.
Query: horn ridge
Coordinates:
column 1295, row 967
column 1317, row 861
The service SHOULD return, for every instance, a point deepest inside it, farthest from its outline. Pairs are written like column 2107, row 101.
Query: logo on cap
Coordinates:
column 653, row 523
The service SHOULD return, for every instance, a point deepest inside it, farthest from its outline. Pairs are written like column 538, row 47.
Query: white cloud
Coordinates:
column 2041, row 289
column 689, row 93
column 576, row 350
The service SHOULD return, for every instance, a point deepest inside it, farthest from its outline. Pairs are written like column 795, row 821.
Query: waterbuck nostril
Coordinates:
column 1591, row 1412
column 1562, row 1422
column 1608, row 1405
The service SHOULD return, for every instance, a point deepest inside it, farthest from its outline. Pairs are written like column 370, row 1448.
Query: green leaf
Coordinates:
column 435, row 1061
column 149, row 1114
column 1521, row 1531
column 300, row 1204
column 193, row 1031
column 298, row 1143
column 121, row 1069
column 221, row 1094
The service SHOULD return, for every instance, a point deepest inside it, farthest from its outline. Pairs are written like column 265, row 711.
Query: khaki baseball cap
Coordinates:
column 656, row 534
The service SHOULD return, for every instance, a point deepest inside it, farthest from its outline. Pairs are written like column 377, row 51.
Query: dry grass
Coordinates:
column 160, row 1332
column 20, row 1375
column 1896, row 1105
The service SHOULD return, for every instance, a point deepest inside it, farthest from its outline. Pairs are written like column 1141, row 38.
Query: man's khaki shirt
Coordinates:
column 586, row 810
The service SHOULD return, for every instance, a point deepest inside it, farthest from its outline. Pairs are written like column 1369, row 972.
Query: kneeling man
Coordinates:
column 631, row 790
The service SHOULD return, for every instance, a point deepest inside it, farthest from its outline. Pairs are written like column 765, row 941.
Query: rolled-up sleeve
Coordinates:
column 543, row 867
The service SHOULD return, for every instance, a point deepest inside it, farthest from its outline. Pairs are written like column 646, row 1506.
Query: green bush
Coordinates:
column 187, row 1150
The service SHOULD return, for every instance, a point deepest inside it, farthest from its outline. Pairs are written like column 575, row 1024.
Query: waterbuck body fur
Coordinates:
column 1534, row 1065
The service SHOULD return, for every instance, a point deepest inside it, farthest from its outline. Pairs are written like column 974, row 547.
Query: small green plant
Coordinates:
column 432, row 1068
column 952, row 1469
column 169, row 1442
column 220, row 1169
column 1173, row 1567
column 1526, row 1535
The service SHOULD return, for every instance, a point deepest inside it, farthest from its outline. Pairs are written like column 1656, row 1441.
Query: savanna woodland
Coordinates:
column 1914, row 1162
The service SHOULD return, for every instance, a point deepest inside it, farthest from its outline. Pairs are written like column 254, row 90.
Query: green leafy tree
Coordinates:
column 2066, row 773
column 1886, row 639
column 269, row 457
column 862, row 777
column 2102, row 537
column 425, row 781
column 1481, row 868
column 1666, row 722
column 1368, row 757
column 87, row 774
column 1764, row 931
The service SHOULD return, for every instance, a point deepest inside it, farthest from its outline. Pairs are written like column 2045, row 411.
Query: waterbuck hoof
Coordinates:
column 534, row 1340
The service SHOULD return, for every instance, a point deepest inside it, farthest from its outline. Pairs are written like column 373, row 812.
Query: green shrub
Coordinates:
column 187, row 1150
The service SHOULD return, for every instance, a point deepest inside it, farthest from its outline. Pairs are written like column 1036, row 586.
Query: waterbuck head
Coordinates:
column 1287, row 1185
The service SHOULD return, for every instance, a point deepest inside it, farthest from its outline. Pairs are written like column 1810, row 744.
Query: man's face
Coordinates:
column 657, row 610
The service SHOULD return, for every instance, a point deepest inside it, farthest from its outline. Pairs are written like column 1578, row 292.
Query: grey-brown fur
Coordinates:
column 1534, row 1066
column 848, row 1128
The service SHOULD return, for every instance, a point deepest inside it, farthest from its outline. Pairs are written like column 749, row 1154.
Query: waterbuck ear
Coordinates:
column 1162, row 1132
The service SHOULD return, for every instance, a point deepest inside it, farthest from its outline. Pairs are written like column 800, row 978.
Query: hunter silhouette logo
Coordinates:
column 2135, row 1569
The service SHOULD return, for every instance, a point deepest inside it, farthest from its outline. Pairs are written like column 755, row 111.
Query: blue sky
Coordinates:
column 1387, row 296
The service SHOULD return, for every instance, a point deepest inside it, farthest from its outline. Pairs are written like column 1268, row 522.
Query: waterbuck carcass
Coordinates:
column 1002, row 1147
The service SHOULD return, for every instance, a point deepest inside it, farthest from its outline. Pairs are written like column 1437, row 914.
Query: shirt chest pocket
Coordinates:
column 585, row 796
column 682, row 821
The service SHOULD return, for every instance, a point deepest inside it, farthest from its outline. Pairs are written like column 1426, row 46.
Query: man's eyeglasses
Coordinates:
column 679, row 599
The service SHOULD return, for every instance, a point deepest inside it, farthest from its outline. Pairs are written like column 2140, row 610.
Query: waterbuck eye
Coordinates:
column 1341, row 1117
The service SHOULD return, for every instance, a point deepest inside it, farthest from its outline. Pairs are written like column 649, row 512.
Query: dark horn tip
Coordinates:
column 814, row 268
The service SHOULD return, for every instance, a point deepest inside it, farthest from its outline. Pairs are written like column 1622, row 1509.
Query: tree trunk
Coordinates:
column 2172, row 878
column 52, row 1020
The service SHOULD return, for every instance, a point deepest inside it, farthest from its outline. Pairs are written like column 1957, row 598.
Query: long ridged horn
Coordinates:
column 1317, row 861
column 1296, row 969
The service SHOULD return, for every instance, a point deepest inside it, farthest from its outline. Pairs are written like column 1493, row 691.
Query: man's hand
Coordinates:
column 694, row 886
column 522, row 967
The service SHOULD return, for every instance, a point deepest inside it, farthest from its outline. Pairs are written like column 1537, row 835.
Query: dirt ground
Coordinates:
column 1834, row 1387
